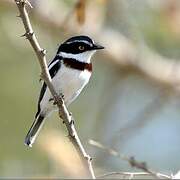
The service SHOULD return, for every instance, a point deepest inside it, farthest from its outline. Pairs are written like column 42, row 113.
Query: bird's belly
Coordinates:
column 70, row 83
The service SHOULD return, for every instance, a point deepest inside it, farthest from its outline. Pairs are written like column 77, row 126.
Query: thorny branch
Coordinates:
column 63, row 112
column 126, row 55
column 132, row 162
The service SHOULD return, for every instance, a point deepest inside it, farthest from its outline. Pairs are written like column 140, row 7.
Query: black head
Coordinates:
column 78, row 44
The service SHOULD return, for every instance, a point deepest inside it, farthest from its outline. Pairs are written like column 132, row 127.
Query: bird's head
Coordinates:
column 79, row 47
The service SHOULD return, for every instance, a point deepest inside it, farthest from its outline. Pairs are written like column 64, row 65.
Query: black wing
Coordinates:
column 53, row 70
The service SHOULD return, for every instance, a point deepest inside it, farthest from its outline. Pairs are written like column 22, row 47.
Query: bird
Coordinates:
column 70, row 71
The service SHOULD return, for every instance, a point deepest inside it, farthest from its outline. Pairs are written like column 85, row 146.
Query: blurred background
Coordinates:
column 131, row 103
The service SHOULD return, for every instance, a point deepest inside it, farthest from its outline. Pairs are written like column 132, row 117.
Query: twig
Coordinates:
column 131, row 174
column 131, row 160
column 63, row 112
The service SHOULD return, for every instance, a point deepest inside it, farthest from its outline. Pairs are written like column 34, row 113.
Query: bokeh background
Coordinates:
column 131, row 103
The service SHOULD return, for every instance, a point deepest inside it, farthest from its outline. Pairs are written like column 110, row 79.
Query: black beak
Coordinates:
column 96, row 47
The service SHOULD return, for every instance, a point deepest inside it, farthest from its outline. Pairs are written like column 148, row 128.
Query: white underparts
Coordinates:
column 67, row 81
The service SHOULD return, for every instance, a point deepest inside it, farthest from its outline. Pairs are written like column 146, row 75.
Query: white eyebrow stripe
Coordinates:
column 86, row 42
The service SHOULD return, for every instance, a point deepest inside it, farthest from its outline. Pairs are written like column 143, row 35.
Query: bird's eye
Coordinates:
column 81, row 48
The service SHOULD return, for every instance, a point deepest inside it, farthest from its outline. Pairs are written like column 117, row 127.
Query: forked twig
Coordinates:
column 63, row 112
column 132, row 161
column 132, row 175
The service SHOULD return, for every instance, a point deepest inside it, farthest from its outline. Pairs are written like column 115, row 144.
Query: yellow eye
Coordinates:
column 81, row 48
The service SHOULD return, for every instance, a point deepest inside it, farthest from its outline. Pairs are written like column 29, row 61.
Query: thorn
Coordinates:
column 70, row 113
column 43, row 52
column 30, row 33
column 71, row 122
column 18, row 16
column 62, row 95
column 24, row 35
column 88, row 158
column 27, row 34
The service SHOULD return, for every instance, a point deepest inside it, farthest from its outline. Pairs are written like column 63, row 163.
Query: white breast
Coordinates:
column 70, row 82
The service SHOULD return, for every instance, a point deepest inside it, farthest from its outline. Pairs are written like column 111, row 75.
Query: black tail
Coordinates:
column 34, row 130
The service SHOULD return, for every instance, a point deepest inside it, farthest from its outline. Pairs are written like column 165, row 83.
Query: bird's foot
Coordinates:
column 57, row 99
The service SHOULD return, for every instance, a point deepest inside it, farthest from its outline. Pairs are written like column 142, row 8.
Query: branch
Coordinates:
column 63, row 112
column 131, row 160
column 131, row 175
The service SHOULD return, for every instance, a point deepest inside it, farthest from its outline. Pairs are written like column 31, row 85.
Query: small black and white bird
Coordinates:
column 70, row 71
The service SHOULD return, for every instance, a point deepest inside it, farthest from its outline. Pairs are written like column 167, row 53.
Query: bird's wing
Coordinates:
column 57, row 57
column 53, row 67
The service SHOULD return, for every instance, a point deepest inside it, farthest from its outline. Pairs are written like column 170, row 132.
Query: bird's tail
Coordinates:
column 34, row 130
